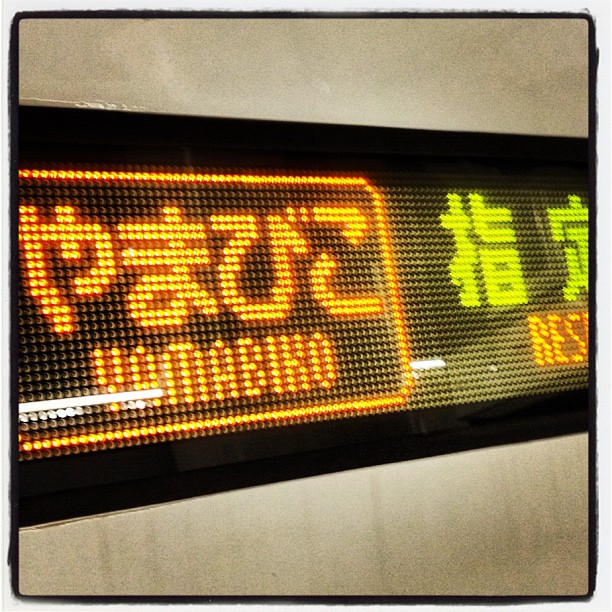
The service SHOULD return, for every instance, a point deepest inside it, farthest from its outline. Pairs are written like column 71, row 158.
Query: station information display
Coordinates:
column 202, row 304
column 158, row 304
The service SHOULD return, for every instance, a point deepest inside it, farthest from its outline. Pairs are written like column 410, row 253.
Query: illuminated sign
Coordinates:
column 238, row 299
column 274, row 299
column 201, row 305
column 159, row 305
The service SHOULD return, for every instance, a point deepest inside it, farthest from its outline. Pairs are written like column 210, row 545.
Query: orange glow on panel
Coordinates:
column 285, row 415
column 184, row 177
column 184, row 372
column 119, row 370
column 320, row 276
column 354, row 222
column 224, row 374
column 178, row 287
column 253, row 372
column 559, row 339
column 354, row 228
column 69, row 236
column 285, row 242
column 163, row 254
column 393, row 288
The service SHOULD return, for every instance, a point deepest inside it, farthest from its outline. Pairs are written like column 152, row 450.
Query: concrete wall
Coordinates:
column 507, row 520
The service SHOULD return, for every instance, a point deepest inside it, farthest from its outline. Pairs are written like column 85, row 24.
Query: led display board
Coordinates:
column 257, row 288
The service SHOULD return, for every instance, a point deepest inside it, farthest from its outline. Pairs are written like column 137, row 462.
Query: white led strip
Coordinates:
column 90, row 400
column 428, row 364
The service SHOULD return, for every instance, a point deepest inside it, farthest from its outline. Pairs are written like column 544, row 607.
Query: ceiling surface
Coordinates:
column 509, row 75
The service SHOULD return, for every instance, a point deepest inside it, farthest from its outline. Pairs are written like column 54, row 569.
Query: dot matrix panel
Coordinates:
column 158, row 304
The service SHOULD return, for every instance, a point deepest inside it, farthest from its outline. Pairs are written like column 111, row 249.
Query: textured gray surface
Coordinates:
column 500, row 521
column 514, row 75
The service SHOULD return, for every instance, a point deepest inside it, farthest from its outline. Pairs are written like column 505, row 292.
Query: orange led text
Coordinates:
column 560, row 339
column 247, row 367
column 69, row 236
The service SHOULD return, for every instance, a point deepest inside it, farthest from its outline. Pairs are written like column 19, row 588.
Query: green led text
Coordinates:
column 570, row 226
column 481, row 233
